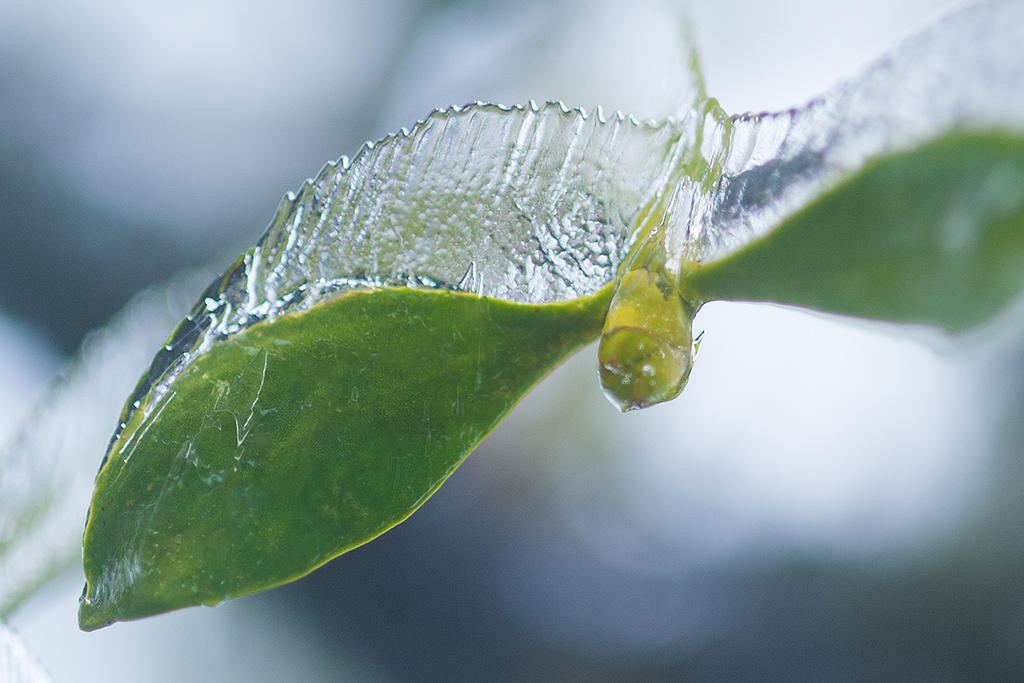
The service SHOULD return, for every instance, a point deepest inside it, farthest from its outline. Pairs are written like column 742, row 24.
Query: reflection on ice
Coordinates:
column 539, row 203
column 562, row 189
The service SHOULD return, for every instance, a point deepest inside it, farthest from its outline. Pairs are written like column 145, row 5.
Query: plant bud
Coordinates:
column 645, row 352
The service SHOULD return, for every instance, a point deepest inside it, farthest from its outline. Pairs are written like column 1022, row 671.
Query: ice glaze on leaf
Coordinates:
column 400, row 304
column 933, row 236
column 306, row 436
column 531, row 206
column 526, row 204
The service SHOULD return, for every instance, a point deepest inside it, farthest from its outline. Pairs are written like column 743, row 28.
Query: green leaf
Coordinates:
column 332, row 378
column 302, row 438
column 934, row 236
column 328, row 382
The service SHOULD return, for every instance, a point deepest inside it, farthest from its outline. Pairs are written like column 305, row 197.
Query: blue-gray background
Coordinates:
column 826, row 501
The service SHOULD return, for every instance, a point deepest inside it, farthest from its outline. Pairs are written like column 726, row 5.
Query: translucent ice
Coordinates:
column 531, row 204
column 536, row 204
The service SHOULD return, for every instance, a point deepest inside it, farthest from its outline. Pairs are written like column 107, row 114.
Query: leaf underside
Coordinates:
column 305, row 437
column 932, row 236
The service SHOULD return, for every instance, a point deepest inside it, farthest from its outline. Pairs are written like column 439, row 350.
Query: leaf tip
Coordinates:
column 92, row 616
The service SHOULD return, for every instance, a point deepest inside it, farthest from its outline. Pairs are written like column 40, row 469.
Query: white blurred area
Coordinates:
column 174, row 109
column 799, row 434
column 244, row 640
column 27, row 363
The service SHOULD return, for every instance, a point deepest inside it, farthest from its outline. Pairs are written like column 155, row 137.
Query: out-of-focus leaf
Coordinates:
column 304, row 437
column 48, row 466
column 934, row 235
column 16, row 664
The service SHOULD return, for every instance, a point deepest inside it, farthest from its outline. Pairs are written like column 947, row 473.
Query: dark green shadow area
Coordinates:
column 305, row 437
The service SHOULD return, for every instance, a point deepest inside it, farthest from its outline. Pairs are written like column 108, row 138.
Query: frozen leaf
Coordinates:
column 933, row 236
column 396, row 308
column 399, row 305
column 303, row 437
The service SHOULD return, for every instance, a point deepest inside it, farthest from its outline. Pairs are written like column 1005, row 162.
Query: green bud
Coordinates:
column 645, row 355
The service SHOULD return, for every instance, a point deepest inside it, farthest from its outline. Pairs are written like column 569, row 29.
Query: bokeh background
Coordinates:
column 828, row 499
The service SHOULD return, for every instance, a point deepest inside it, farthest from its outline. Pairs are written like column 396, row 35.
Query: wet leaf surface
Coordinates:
column 402, row 302
column 304, row 437
column 932, row 236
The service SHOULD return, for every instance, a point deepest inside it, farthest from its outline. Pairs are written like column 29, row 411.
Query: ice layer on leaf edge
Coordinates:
column 537, row 204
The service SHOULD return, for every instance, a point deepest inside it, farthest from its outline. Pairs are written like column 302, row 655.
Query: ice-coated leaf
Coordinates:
column 306, row 436
column 966, row 72
column 530, row 207
column 400, row 304
column 930, row 232
column 933, row 236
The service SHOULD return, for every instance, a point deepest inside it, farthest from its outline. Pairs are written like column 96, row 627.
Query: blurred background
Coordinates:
column 827, row 500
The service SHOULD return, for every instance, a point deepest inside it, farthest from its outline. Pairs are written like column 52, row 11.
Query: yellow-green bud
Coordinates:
column 645, row 352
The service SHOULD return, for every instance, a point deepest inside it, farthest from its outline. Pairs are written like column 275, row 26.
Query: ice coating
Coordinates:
column 747, row 173
column 531, row 204
column 964, row 72
column 528, row 204
column 540, row 204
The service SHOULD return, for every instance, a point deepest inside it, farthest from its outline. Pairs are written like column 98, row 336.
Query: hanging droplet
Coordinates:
column 645, row 353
